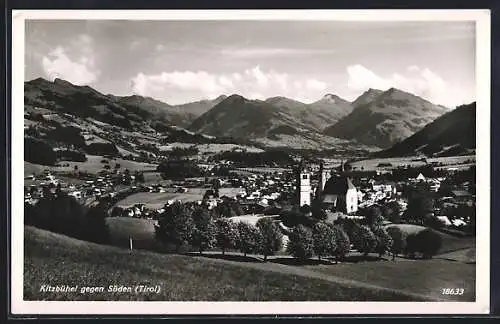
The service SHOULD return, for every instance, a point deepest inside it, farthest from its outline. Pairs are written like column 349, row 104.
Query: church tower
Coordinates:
column 303, row 186
column 324, row 176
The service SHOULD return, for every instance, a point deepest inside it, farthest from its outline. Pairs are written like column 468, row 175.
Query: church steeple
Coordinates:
column 303, row 185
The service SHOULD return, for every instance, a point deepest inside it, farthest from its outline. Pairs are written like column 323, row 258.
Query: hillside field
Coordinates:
column 450, row 243
column 92, row 165
column 427, row 277
column 157, row 200
column 453, row 161
column 56, row 259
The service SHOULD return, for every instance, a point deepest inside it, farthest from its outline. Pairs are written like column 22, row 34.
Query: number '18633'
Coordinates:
column 452, row 291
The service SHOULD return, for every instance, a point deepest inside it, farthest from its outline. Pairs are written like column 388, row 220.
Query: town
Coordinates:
column 231, row 189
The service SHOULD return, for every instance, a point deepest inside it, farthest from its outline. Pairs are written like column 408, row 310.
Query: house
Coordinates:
column 420, row 177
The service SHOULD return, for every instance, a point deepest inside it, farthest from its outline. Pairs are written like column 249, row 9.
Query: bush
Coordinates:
column 301, row 244
column 398, row 240
column 427, row 242
column 226, row 234
column 271, row 236
column 249, row 238
column 325, row 242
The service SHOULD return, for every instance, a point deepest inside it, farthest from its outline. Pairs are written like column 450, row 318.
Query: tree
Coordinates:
column 420, row 208
column 175, row 225
column 398, row 240
column 325, row 241
column 271, row 236
column 428, row 242
column 291, row 218
column 204, row 230
column 373, row 216
column 318, row 213
column 301, row 244
column 139, row 177
column 117, row 211
column 61, row 214
column 342, row 243
column 305, row 209
column 226, row 234
column 367, row 240
column 38, row 151
column 384, row 241
column 249, row 238
column 392, row 212
column 97, row 228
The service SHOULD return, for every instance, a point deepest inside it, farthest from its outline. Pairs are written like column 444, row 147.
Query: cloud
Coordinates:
column 262, row 52
column 417, row 80
column 179, row 86
column 74, row 62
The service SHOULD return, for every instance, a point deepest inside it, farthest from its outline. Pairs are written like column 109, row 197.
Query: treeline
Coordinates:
column 61, row 213
column 184, row 225
column 179, row 169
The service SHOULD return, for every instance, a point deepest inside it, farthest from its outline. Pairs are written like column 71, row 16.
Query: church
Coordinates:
column 335, row 191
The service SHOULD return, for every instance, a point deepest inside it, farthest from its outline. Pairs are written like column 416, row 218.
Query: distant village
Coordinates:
column 248, row 193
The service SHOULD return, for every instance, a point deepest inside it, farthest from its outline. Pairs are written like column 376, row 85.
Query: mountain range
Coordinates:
column 126, row 111
column 385, row 118
column 375, row 120
column 453, row 133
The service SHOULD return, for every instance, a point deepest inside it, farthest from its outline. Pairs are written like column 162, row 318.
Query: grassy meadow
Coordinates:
column 59, row 260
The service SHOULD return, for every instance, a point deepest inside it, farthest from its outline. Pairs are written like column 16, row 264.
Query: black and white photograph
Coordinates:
column 203, row 159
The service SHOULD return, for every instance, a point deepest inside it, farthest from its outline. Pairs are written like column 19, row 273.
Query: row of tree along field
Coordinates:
column 183, row 224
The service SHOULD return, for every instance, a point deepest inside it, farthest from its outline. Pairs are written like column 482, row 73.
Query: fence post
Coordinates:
column 130, row 243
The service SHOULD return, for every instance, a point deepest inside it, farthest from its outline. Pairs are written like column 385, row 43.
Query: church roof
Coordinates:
column 338, row 185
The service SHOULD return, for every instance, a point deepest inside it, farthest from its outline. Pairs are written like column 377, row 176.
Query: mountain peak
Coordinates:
column 330, row 97
column 39, row 80
column 220, row 98
column 235, row 98
column 62, row 82
column 372, row 90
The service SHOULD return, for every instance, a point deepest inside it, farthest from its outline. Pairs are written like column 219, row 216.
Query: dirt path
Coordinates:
column 303, row 272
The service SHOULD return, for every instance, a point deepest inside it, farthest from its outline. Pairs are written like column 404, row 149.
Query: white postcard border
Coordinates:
column 483, row 81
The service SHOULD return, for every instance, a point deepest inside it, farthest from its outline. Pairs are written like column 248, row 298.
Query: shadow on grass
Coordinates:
column 228, row 257
column 298, row 262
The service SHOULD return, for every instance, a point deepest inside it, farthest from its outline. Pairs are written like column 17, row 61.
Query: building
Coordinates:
column 340, row 194
column 304, row 187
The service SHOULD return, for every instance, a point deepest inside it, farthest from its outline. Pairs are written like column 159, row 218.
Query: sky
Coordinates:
column 184, row 61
